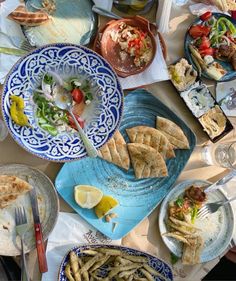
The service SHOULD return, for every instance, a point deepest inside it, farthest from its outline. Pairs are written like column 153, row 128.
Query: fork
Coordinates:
column 21, row 228
column 18, row 42
column 211, row 208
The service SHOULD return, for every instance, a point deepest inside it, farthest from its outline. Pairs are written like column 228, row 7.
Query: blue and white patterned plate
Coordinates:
column 231, row 74
column 218, row 227
column 103, row 118
column 159, row 265
column 137, row 198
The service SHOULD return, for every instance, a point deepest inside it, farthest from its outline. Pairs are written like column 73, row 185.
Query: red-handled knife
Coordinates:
column 43, row 267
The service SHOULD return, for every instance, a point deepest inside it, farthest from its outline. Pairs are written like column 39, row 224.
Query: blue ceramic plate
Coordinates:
column 72, row 22
column 157, row 264
column 231, row 74
column 103, row 115
column 217, row 229
column 137, row 198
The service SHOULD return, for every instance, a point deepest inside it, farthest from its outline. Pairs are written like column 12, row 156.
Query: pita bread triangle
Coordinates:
column 115, row 151
column 152, row 137
column 147, row 162
column 173, row 132
column 10, row 188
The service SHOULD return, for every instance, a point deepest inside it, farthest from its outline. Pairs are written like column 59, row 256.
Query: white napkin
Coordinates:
column 199, row 9
column 222, row 90
column 70, row 230
column 156, row 72
column 12, row 29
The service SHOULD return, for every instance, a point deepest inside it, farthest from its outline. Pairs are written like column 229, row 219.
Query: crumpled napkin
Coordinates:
column 199, row 9
column 69, row 231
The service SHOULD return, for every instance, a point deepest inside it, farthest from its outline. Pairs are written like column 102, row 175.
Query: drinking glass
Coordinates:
column 3, row 131
column 222, row 154
column 133, row 6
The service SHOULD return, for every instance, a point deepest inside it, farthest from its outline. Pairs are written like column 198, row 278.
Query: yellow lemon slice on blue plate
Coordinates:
column 105, row 205
column 87, row 196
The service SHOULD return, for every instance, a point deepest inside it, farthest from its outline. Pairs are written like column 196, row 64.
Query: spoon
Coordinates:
column 63, row 100
column 105, row 13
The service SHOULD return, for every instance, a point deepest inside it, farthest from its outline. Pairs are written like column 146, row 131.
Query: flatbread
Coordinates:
column 10, row 188
column 115, row 151
column 152, row 137
column 147, row 161
column 173, row 132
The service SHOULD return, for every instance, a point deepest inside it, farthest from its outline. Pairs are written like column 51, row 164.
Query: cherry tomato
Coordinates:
column 72, row 123
column 199, row 30
column 205, row 43
column 77, row 95
column 209, row 51
column 206, row 16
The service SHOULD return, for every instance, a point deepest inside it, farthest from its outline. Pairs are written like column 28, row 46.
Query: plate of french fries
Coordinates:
column 193, row 239
column 112, row 263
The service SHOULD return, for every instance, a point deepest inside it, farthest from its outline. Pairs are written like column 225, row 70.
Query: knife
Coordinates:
column 37, row 229
column 221, row 182
column 12, row 51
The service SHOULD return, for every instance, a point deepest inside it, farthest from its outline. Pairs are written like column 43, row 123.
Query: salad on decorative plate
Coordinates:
column 210, row 45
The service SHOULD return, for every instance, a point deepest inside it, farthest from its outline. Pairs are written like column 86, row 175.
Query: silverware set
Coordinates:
column 22, row 228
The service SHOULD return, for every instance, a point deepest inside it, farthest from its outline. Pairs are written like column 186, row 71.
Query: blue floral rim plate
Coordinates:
column 157, row 264
column 231, row 74
column 137, row 198
column 219, row 226
column 67, row 60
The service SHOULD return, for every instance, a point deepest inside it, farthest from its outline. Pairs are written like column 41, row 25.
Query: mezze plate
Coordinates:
column 72, row 22
column 163, row 269
column 231, row 74
column 216, row 229
column 137, row 198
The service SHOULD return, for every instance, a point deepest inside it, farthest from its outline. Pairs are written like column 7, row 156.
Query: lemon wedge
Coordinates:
column 105, row 205
column 87, row 196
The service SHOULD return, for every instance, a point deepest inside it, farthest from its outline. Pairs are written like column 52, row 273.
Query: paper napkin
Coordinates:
column 70, row 230
column 156, row 72
column 12, row 29
column 199, row 9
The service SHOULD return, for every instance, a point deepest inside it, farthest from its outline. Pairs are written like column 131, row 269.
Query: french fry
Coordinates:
column 74, row 263
column 123, row 261
column 147, row 275
column 127, row 273
column 99, row 263
column 116, row 270
column 90, row 263
column 135, row 258
column 89, row 252
column 154, row 272
column 68, row 273
column 111, row 252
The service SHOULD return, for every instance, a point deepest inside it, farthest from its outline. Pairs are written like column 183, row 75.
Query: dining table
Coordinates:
column 146, row 236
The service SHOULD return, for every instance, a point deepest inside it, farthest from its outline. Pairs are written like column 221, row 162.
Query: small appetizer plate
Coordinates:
column 217, row 229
